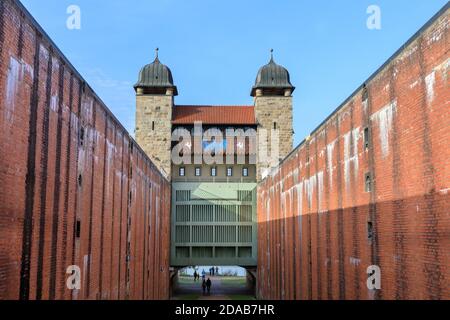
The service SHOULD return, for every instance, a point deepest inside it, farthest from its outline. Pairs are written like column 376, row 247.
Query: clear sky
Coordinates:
column 215, row 48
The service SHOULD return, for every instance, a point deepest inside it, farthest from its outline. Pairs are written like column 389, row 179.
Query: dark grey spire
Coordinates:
column 155, row 76
column 272, row 77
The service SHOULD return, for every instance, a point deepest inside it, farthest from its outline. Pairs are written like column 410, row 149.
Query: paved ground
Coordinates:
column 190, row 290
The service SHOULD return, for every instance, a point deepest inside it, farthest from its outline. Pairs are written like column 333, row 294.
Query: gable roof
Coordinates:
column 228, row 115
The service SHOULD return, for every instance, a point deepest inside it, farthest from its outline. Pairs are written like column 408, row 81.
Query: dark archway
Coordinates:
column 227, row 282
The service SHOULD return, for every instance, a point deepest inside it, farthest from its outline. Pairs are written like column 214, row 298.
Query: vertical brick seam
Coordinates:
column 120, row 214
column 57, row 188
column 432, row 270
column 328, row 223
column 67, row 181
column 354, row 213
column 340, row 213
column 44, row 177
column 102, row 223
column 76, row 207
column 373, row 210
column 91, row 207
column 113, row 216
column 317, row 231
column 30, row 179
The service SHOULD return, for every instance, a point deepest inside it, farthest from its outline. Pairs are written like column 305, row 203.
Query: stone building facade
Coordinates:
column 272, row 114
column 214, row 203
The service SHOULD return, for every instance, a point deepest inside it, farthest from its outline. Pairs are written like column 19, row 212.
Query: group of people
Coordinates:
column 206, row 283
column 213, row 271
column 206, row 286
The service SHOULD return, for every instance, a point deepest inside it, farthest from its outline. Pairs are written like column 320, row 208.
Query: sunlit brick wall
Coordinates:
column 314, row 212
column 65, row 158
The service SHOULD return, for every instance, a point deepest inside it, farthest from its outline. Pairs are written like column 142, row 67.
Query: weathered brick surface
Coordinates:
column 65, row 158
column 313, row 211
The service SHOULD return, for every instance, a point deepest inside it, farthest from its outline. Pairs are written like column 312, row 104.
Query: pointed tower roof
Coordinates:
column 156, row 75
column 272, row 76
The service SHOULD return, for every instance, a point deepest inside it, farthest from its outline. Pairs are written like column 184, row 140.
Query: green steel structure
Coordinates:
column 213, row 224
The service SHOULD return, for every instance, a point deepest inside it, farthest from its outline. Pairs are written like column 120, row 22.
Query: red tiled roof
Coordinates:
column 237, row 115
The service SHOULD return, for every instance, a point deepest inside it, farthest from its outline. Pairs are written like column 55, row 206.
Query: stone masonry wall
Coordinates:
column 268, row 110
column 154, row 128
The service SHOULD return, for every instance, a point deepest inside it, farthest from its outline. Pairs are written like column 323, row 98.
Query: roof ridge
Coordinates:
column 208, row 114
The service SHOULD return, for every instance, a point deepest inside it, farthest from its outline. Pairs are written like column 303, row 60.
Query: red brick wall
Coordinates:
column 313, row 211
column 51, row 176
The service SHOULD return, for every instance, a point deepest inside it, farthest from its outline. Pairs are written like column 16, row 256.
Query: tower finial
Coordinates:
column 156, row 58
column 271, row 55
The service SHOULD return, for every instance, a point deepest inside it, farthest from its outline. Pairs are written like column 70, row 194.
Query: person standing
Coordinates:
column 208, row 286
column 203, row 286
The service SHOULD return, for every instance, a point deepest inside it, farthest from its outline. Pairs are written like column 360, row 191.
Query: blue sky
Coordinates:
column 215, row 48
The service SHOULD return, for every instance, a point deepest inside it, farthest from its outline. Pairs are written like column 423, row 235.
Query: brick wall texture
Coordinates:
column 66, row 161
column 318, row 228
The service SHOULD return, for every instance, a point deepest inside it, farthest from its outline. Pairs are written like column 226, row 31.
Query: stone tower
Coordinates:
column 155, row 93
column 272, row 94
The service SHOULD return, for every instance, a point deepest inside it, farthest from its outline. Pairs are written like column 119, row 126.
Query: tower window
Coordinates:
column 274, row 126
column 245, row 172
column 369, row 230
column 229, row 171
column 78, row 229
column 213, row 171
column 198, row 171
column 365, row 93
column 181, row 172
column 81, row 136
column 368, row 182
column 153, row 125
column 366, row 138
